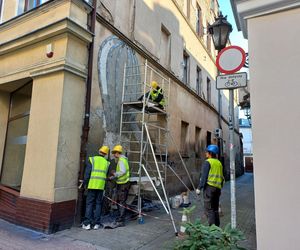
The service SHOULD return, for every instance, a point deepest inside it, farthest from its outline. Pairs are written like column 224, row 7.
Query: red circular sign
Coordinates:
column 231, row 59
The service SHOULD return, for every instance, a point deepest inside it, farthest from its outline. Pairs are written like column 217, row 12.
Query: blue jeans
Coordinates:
column 93, row 206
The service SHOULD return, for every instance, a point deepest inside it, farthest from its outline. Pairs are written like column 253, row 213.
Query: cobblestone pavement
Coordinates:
column 153, row 234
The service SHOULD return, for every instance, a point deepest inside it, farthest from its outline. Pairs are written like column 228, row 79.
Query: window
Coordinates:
column 208, row 90
column 212, row 5
column 208, row 41
column 198, row 142
column 165, row 47
column 187, row 8
column 16, row 137
column 186, row 70
column 26, row 5
column 184, row 138
column 208, row 138
column 199, row 81
column 199, row 24
column 1, row 2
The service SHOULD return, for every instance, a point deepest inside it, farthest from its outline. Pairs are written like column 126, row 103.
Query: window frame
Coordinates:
column 186, row 68
column 199, row 22
column 10, row 119
column 198, row 80
column 208, row 90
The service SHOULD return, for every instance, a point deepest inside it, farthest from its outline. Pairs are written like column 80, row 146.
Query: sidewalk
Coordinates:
column 154, row 234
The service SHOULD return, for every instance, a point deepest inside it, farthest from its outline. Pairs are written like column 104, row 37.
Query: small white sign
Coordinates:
column 232, row 81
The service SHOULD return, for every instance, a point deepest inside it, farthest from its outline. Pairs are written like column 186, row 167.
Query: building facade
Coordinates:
column 275, row 116
column 45, row 48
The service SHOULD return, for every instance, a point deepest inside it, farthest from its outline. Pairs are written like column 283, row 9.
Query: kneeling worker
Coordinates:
column 94, row 180
column 156, row 95
column 211, row 183
column 121, row 176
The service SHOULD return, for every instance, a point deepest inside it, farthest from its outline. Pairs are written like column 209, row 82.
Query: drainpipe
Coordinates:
column 86, row 123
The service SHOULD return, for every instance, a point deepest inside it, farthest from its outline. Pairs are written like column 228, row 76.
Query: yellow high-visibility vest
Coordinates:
column 215, row 176
column 124, row 178
column 99, row 171
column 155, row 94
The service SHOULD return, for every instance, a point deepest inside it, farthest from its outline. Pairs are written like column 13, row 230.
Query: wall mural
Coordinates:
column 113, row 55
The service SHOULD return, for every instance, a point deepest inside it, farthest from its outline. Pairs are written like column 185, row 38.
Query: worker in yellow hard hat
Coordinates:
column 94, row 181
column 156, row 95
column 121, row 176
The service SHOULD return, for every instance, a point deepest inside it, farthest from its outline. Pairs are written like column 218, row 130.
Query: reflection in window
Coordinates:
column 16, row 137
column 26, row 5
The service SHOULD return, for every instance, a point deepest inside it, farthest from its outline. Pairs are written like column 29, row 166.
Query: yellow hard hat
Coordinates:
column 154, row 84
column 104, row 150
column 117, row 148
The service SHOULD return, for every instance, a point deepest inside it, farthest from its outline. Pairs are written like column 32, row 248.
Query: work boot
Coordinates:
column 97, row 226
column 86, row 227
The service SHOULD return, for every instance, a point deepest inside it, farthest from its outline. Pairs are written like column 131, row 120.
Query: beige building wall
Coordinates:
column 57, row 105
column 274, row 69
column 273, row 33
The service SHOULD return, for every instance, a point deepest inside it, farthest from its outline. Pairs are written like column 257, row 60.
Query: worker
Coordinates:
column 94, row 181
column 155, row 94
column 211, row 183
column 121, row 176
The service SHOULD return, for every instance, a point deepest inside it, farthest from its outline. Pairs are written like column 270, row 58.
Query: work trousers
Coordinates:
column 211, row 197
column 93, row 206
column 122, row 194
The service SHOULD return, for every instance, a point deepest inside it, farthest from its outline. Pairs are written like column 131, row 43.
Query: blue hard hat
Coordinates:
column 213, row 149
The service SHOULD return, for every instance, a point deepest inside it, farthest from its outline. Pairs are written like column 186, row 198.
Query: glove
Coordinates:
column 112, row 177
column 198, row 191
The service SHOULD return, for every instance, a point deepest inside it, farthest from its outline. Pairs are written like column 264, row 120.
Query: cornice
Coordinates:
column 63, row 26
column 40, row 69
column 246, row 9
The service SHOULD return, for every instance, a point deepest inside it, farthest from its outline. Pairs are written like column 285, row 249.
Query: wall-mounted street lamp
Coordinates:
column 220, row 31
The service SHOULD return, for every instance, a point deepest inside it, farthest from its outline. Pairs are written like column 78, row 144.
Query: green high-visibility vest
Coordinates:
column 124, row 178
column 157, row 96
column 99, row 171
column 215, row 176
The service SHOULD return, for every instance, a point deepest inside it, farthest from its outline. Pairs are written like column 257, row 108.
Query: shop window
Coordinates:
column 16, row 137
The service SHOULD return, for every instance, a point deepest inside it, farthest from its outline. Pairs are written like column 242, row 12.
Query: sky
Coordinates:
column 236, row 37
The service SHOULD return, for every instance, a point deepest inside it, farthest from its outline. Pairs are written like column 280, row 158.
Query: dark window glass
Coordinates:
column 16, row 137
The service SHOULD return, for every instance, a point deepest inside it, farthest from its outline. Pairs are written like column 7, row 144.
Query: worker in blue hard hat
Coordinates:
column 211, row 183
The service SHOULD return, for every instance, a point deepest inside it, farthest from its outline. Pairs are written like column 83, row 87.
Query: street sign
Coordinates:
column 233, row 81
column 231, row 59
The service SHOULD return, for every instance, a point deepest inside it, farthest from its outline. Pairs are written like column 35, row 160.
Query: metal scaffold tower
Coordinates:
column 144, row 132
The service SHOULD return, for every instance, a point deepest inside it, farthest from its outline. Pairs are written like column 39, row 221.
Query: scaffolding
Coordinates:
column 144, row 132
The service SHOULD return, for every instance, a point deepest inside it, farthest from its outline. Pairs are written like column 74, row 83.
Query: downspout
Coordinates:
column 86, row 123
